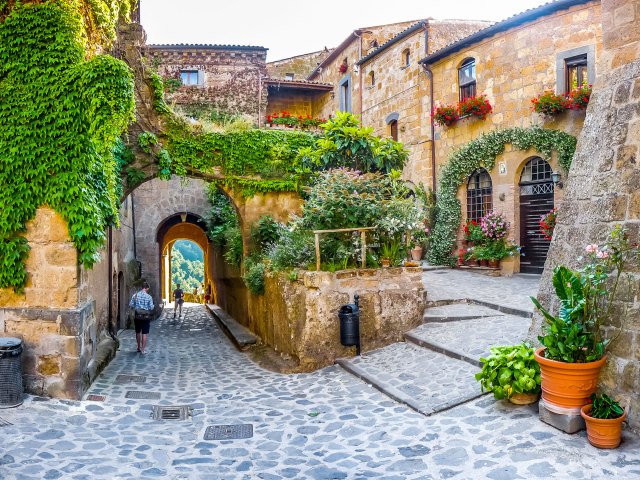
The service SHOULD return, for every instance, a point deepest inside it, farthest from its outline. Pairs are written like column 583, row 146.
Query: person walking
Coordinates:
column 142, row 303
column 178, row 299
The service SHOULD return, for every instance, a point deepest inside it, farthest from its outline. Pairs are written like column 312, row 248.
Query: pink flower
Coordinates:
column 602, row 254
column 593, row 248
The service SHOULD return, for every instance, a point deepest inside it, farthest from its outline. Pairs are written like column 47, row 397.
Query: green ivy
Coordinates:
column 482, row 153
column 60, row 118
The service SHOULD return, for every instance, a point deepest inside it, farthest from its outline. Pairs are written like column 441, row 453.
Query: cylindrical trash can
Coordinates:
column 10, row 372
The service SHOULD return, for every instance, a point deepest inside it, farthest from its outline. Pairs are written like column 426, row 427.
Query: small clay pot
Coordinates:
column 524, row 398
column 603, row 432
column 484, row 263
column 494, row 263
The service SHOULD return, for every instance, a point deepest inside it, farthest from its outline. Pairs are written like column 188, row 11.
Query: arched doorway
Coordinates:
column 536, row 199
column 187, row 268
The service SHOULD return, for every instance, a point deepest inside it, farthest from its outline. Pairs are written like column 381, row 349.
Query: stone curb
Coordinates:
column 239, row 334
column 399, row 396
column 453, row 318
column 410, row 337
column 472, row 301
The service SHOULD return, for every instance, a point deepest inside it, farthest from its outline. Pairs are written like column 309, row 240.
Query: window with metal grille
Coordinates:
column 467, row 78
column 536, row 171
column 479, row 195
column 576, row 72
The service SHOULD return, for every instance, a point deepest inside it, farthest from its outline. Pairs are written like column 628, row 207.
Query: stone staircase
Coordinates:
column 433, row 370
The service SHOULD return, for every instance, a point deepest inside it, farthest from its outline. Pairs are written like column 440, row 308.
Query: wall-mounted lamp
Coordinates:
column 183, row 216
column 555, row 178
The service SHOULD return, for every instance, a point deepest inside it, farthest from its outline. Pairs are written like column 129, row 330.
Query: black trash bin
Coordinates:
column 10, row 372
column 349, row 316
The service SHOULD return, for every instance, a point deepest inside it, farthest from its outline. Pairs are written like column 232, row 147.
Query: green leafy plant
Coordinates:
column 393, row 251
column 482, row 153
column 603, row 406
column 549, row 103
column 265, row 232
column 233, row 248
column 146, row 140
column 294, row 249
column 586, row 299
column 510, row 369
column 253, row 276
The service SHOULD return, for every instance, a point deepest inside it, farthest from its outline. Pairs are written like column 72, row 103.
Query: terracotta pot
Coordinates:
column 472, row 262
column 494, row 263
column 416, row 254
column 385, row 262
column 603, row 432
column 568, row 386
column 484, row 263
column 524, row 398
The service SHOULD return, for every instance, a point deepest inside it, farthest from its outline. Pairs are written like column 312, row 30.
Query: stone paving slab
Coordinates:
column 316, row 426
column 457, row 311
column 469, row 340
column 425, row 380
column 512, row 293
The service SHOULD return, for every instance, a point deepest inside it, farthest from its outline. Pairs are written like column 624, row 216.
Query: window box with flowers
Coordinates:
column 286, row 119
column 343, row 67
column 447, row 115
column 578, row 98
column 549, row 103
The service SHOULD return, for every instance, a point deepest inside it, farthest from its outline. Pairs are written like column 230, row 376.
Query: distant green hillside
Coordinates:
column 187, row 265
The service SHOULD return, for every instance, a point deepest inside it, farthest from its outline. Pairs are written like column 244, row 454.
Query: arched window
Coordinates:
column 372, row 79
column 467, row 78
column 406, row 57
column 479, row 195
column 393, row 129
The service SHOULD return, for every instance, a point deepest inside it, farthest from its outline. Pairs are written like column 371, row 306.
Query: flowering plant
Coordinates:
column 493, row 225
column 578, row 98
column 548, row 223
column 282, row 118
column 308, row 121
column 549, row 103
column 473, row 232
column 478, row 106
column 445, row 115
column 343, row 67
column 586, row 298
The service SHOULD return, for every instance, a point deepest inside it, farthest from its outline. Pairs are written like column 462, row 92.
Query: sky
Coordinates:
column 289, row 27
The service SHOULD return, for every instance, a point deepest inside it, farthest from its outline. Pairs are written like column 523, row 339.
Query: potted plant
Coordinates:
column 549, row 104
column 498, row 249
column 445, row 115
column 391, row 253
column 473, row 233
column 469, row 257
column 603, row 417
column 418, row 240
column 481, row 253
column 548, row 223
column 511, row 372
column 573, row 349
column 476, row 106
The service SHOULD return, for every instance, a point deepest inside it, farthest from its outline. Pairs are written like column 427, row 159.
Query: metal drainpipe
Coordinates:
column 110, row 283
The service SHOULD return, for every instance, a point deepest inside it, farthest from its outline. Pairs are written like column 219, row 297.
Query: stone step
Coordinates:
column 498, row 308
column 469, row 340
column 239, row 334
column 426, row 381
column 458, row 311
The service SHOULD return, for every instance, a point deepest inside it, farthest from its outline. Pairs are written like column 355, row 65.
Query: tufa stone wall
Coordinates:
column 230, row 78
column 602, row 191
column 299, row 318
column 301, row 65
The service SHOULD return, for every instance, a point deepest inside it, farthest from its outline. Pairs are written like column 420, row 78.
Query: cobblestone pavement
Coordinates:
column 497, row 330
column 510, row 292
column 319, row 426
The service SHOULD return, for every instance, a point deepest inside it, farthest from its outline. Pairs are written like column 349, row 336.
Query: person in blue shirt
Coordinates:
column 141, row 302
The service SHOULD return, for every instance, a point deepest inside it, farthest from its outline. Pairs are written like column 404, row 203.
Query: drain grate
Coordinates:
column 122, row 379
column 171, row 413
column 96, row 398
column 4, row 423
column 228, row 432
column 143, row 395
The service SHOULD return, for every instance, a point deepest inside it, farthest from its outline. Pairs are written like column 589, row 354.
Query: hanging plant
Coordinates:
column 482, row 153
column 549, row 103
column 343, row 67
column 475, row 106
column 445, row 115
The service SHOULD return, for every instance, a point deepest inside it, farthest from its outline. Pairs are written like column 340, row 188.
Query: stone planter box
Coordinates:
column 299, row 319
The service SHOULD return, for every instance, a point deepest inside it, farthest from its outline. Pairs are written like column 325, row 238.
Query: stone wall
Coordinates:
column 230, row 78
column 602, row 192
column 300, row 66
column 299, row 319
column 296, row 103
column 62, row 315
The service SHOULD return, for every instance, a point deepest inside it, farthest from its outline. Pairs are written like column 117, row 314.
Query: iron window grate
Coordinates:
column 181, row 412
column 228, row 432
column 143, row 395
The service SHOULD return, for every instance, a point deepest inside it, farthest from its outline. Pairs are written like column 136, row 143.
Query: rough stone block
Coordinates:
column 48, row 365
column 571, row 423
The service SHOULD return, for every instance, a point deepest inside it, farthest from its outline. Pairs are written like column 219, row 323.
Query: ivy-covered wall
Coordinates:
column 60, row 114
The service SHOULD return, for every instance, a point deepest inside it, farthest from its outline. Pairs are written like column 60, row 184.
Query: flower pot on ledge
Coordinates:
column 416, row 254
column 493, row 263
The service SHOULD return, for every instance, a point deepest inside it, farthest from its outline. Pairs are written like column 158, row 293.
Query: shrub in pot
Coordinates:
column 511, row 372
column 603, row 417
column 573, row 348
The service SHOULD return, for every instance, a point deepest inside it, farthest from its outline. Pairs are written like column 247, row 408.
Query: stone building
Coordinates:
column 224, row 79
column 512, row 62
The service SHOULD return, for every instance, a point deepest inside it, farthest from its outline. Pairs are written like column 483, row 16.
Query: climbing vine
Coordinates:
column 60, row 116
column 482, row 153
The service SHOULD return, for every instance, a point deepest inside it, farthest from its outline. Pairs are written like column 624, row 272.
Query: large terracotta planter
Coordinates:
column 416, row 254
column 603, row 432
column 568, row 386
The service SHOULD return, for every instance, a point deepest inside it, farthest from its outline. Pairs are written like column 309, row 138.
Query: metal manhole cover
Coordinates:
column 4, row 423
column 171, row 413
column 143, row 395
column 228, row 432
column 96, row 398
column 121, row 379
